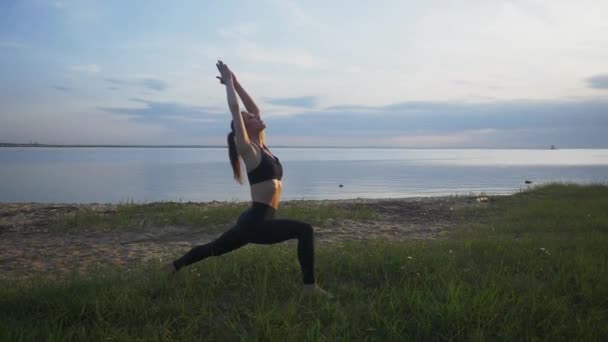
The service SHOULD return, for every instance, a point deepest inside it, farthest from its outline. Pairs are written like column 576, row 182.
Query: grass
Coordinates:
column 554, row 210
column 533, row 266
column 137, row 216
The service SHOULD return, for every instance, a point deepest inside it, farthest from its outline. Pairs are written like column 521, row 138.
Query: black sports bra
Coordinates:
column 269, row 168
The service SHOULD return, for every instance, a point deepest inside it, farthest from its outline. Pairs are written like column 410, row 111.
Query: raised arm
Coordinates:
column 247, row 101
column 240, row 133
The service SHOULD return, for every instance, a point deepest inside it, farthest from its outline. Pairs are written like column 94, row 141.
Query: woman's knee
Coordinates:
column 306, row 229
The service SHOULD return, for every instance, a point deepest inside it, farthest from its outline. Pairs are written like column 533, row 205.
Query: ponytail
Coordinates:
column 234, row 158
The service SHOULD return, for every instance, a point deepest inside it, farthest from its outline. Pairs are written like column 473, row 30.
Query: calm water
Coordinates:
column 203, row 174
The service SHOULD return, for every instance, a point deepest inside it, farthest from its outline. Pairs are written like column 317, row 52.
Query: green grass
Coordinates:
column 533, row 266
column 137, row 216
column 553, row 210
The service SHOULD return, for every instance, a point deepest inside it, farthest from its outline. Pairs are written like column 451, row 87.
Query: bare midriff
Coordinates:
column 267, row 192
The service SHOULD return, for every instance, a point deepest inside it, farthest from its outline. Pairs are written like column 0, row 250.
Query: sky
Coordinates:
column 468, row 73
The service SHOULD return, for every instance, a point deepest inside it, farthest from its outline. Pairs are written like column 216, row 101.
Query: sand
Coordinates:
column 30, row 246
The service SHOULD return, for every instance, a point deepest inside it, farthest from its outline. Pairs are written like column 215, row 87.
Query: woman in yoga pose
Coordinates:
column 257, row 224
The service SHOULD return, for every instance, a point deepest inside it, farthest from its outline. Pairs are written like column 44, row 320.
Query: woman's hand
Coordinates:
column 225, row 74
column 234, row 80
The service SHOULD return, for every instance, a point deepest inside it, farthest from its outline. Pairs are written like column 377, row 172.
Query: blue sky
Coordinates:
column 473, row 73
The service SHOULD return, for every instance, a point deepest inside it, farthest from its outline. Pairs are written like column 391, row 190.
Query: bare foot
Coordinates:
column 315, row 290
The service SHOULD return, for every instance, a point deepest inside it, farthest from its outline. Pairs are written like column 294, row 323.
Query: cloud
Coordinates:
column 353, row 69
column 61, row 88
column 294, row 14
column 148, row 83
column 424, row 140
column 86, row 68
column 507, row 124
column 598, row 81
column 116, row 81
column 243, row 37
column 179, row 117
column 278, row 55
column 154, row 84
column 351, row 108
column 533, row 9
column 420, row 123
column 303, row 101
column 239, row 31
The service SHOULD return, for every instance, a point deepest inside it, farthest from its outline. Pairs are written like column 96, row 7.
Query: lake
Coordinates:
column 107, row 174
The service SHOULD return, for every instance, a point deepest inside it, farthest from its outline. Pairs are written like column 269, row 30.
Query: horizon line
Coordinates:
column 550, row 147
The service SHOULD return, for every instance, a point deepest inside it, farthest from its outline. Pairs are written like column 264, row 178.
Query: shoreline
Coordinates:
column 32, row 243
column 430, row 198
column 501, row 267
column 17, row 145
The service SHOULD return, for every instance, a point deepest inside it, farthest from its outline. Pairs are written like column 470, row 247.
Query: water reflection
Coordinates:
column 190, row 174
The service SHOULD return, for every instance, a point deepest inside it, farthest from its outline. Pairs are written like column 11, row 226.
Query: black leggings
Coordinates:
column 256, row 225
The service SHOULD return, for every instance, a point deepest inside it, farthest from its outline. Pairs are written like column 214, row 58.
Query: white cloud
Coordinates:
column 427, row 140
column 208, row 51
column 243, row 34
column 82, row 127
column 279, row 55
column 446, row 139
column 371, row 55
column 297, row 14
column 239, row 31
column 353, row 69
column 149, row 82
column 86, row 68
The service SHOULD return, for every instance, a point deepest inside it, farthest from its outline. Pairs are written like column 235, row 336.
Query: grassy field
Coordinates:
column 533, row 266
column 130, row 215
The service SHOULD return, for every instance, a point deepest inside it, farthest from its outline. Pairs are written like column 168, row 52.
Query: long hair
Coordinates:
column 234, row 156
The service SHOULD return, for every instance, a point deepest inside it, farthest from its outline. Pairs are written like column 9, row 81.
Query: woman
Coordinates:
column 264, row 171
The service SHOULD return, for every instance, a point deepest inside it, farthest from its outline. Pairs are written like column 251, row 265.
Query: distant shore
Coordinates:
column 82, row 145
column 290, row 146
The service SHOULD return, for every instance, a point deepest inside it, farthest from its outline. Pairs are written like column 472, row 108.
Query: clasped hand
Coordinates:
column 226, row 75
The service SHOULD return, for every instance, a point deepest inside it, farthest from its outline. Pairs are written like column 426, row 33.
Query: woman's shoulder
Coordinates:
column 253, row 158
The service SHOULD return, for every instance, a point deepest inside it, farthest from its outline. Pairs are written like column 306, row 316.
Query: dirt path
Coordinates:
column 29, row 246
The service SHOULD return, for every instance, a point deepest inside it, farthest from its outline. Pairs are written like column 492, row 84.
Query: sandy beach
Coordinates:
column 29, row 245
